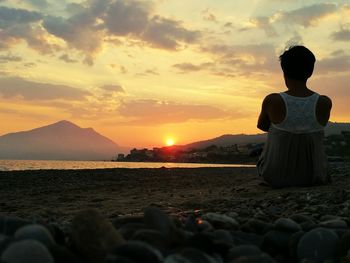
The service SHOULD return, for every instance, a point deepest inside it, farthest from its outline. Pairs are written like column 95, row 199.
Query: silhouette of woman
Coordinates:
column 295, row 120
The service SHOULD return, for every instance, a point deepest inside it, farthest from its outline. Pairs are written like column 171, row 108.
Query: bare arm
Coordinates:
column 323, row 110
column 264, row 120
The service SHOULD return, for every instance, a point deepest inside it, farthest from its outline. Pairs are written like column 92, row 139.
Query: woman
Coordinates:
column 295, row 120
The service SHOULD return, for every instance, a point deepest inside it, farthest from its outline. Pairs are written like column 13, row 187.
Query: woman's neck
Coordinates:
column 297, row 88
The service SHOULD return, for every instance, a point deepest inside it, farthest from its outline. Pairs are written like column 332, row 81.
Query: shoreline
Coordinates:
column 57, row 195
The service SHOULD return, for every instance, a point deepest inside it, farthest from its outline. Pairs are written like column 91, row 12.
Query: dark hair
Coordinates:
column 298, row 63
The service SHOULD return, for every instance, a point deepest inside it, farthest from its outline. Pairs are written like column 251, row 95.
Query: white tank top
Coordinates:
column 300, row 114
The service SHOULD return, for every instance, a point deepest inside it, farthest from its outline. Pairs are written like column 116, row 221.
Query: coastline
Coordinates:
column 57, row 195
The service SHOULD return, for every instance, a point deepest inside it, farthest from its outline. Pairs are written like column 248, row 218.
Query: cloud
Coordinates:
column 113, row 88
column 232, row 60
column 15, row 87
column 342, row 35
column 38, row 3
column 150, row 112
column 166, row 33
column 67, row 58
column 189, row 67
column 11, row 16
column 9, row 58
column 127, row 17
column 309, row 15
column 208, row 16
column 21, row 24
column 339, row 62
column 264, row 23
column 89, row 25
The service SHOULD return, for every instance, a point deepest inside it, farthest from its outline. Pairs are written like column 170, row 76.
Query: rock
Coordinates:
column 138, row 251
column 262, row 258
column 207, row 242
column 222, row 236
column 118, row 259
column 318, row 245
column 287, row 225
column 300, row 218
column 63, row 255
column 129, row 229
column 195, row 255
column 344, row 244
column 9, row 224
column 94, row 236
column 35, row 232
column 334, row 223
column 221, row 221
column 257, row 226
column 155, row 218
column 27, row 251
column 203, row 225
column 242, row 238
column 293, row 245
column 308, row 225
column 152, row 237
column 176, row 258
column 276, row 240
column 243, row 251
column 328, row 218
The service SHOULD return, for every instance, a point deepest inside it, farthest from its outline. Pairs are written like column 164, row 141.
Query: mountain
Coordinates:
column 231, row 139
column 59, row 141
column 228, row 139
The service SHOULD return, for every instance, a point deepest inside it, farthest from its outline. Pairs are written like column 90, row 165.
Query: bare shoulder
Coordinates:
column 325, row 102
column 272, row 98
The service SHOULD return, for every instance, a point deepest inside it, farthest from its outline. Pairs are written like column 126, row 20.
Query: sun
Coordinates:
column 170, row 142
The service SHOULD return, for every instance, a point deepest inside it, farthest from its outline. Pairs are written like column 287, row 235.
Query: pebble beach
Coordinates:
column 171, row 215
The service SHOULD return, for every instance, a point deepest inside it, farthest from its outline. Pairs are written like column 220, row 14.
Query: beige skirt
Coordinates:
column 291, row 159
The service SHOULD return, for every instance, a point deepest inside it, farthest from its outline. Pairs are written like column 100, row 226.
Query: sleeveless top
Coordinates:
column 294, row 153
column 300, row 114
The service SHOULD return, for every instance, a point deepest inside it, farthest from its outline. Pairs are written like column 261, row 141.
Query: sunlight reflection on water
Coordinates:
column 11, row 165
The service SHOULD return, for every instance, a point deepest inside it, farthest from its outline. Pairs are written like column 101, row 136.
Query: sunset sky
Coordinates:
column 140, row 72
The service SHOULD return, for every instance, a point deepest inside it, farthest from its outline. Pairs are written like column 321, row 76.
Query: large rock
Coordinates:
column 27, row 251
column 36, row 232
column 318, row 245
column 94, row 236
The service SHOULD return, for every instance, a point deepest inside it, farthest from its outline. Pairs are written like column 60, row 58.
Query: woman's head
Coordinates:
column 298, row 63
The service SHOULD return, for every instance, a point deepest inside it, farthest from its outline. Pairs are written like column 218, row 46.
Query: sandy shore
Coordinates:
column 58, row 195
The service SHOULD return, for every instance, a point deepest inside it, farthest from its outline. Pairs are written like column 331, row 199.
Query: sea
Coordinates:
column 18, row 165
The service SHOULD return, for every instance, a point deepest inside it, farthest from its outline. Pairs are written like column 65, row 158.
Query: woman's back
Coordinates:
column 294, row 154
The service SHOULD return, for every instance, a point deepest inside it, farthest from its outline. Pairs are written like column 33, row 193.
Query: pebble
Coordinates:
column 138, row 251
column 27, row 251
column 287, row 224
column 318, row 245
column 196, row 255
column 242, row 251
column 221, row 221
column 94, row 236
column 36, row 232
column 334, row 223
column 155, row 218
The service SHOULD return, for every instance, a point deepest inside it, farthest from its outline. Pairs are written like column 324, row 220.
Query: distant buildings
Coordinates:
column 337, row 148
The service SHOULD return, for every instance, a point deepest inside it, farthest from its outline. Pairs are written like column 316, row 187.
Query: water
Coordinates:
column 11, row 165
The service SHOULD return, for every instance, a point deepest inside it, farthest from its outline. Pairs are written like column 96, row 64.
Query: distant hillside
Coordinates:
column 59, row 141
column 230, row 139
column 337, row 127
